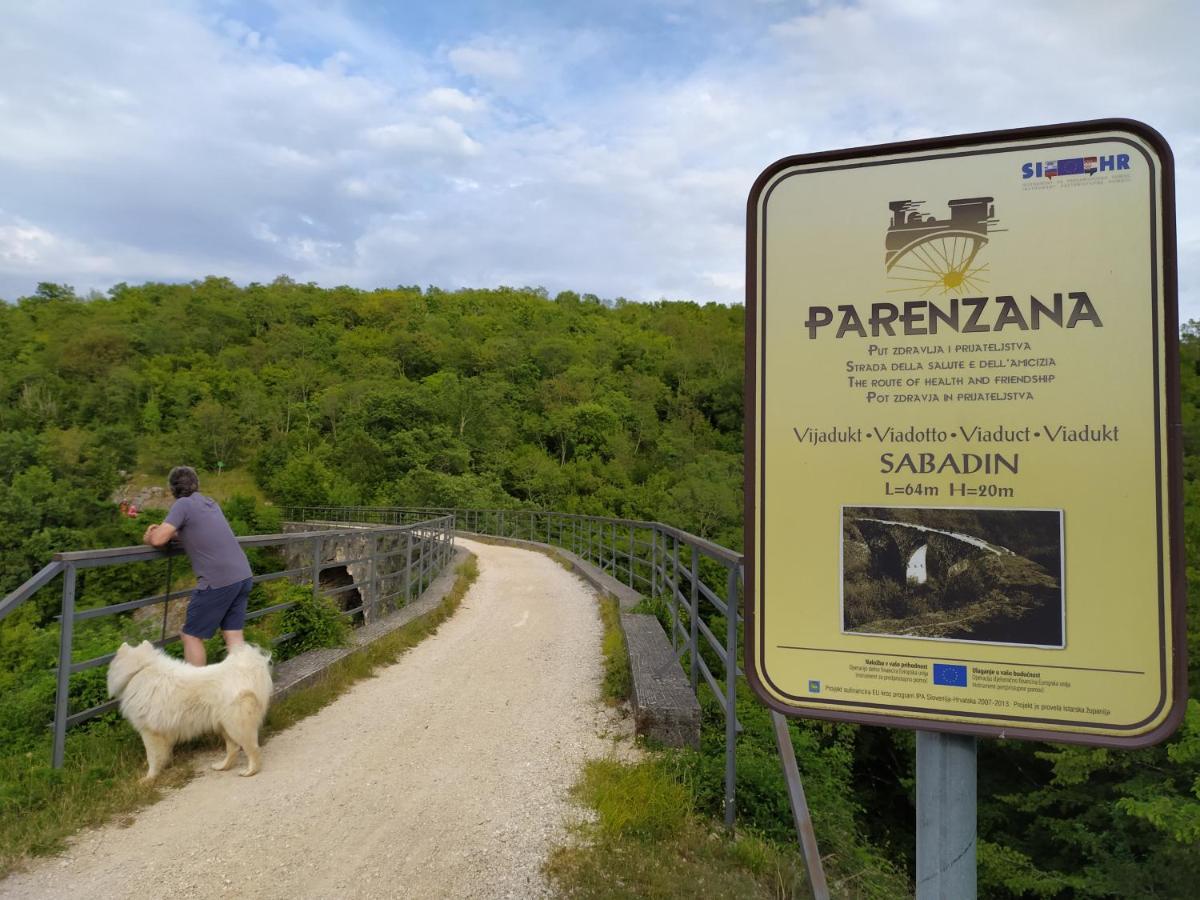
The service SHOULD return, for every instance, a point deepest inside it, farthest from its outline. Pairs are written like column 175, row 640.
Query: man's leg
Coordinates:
column 200, row 623
column 234, row 619
column 233, row 639
column 193, row 649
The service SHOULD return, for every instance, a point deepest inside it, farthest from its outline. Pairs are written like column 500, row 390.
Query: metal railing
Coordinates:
column 395, row 561
column 695, row 577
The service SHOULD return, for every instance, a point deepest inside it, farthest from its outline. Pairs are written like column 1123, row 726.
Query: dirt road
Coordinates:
column 446, row 776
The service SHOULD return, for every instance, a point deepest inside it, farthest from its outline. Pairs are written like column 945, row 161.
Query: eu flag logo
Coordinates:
column 952, row 676
column 1071, row 166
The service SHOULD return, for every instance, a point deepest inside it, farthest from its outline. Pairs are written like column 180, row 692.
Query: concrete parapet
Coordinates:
column 350, row 551
column 664, row 707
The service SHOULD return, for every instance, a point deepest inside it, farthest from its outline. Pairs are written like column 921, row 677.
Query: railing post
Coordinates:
column 375, row 576
column 730, row 693
column 424, row 567
column 653, row 561
column 694, row 621
column 676, row 594
column 62, row 697
column 408, row 566
column 631, row 541
column 316, row 568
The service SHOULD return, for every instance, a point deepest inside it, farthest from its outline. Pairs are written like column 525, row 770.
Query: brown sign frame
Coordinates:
column 1172, row 489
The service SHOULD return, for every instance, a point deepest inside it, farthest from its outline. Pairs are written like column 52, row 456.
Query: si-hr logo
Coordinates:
column 1079, row 165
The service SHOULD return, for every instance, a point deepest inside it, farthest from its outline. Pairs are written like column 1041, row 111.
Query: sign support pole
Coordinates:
column 946, row 826
column 800, row 817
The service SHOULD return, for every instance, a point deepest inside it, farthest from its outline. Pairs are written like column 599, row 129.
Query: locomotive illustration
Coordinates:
column 925, row 254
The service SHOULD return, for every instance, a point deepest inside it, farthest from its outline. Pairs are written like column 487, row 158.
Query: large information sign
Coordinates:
column 962, row 408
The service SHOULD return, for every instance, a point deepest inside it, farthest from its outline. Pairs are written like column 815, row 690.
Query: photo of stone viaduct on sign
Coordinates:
column 985, row 575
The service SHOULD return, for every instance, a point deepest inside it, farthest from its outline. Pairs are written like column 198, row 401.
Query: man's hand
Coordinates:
column 159, row 535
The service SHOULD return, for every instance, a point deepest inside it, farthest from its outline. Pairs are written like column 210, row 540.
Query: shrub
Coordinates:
column 316, row 621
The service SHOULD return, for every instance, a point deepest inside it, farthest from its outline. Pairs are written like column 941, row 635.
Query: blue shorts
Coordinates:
column 212, row 607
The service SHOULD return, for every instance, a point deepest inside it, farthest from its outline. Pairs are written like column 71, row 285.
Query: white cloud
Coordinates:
column 486, row 62
column 452, row 100
column 148, row 141
column 23, row 244
column 438, row 136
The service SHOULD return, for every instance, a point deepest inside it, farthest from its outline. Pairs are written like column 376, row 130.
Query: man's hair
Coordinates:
column 183, row 481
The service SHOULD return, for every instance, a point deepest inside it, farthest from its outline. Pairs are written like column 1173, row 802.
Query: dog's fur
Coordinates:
column 168, row 701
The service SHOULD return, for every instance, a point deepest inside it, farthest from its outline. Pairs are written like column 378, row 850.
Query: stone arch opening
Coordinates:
column 917, row 572
column 336, row 578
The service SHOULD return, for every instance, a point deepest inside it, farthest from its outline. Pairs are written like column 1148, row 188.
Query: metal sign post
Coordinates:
column 946, row 789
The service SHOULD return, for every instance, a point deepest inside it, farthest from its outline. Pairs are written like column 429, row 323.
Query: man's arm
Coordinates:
column 159, row 535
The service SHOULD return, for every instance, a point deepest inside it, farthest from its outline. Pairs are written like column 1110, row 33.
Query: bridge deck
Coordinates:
column 446, row 776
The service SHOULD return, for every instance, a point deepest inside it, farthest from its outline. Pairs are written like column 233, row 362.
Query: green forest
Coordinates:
column 500, row 398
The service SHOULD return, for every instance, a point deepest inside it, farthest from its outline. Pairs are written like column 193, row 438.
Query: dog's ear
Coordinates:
column 123, row 648
column 146, row 644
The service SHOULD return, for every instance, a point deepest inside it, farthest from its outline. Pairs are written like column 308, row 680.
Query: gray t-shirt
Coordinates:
column 217, row 558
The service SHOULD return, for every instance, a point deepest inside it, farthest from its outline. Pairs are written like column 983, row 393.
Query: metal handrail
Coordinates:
column 421, row 549
column 714, row 550
column 15, row 598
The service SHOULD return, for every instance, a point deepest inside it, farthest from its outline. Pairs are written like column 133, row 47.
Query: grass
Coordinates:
column 218, row 485
column 647, row 841
column 618, row 680
column 40, row 807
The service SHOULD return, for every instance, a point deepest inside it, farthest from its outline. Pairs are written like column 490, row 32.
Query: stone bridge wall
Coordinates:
column 350, row 552
column 889, row 548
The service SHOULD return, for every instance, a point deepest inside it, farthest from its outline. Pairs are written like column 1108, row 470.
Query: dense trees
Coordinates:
column 489, row 398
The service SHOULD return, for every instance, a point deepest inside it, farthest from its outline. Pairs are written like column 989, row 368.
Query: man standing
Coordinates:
column 223, row 576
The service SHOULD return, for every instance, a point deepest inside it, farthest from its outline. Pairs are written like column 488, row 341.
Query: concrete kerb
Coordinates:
column 303, row 670
column 664, row 707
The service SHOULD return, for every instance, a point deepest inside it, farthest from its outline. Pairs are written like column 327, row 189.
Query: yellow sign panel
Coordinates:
column 962, row 460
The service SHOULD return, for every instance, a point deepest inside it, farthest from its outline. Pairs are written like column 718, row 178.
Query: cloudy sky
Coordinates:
column 603, row 147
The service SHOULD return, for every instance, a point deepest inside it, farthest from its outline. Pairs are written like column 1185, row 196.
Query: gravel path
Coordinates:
column 446, row 776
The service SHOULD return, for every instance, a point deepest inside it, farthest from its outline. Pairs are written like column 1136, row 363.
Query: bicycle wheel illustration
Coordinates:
column 929, row 255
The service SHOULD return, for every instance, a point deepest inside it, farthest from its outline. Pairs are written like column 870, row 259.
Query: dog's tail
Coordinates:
column 254, row 664
column 247, row 711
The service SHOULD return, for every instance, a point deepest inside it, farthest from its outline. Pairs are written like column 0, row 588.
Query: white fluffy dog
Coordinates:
column 168, row 701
